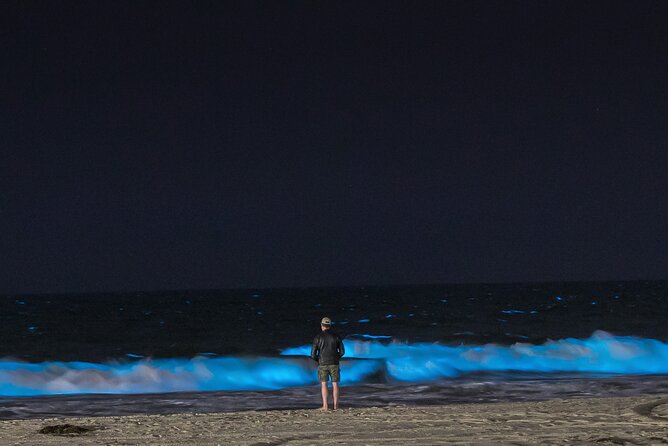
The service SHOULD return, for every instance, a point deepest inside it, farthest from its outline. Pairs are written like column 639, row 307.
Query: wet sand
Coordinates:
column 595, row 421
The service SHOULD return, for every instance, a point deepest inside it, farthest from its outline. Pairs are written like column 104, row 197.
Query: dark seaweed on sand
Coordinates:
column 64, row 429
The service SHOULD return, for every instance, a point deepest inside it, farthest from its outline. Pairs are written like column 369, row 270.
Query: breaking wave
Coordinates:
column 366, row 361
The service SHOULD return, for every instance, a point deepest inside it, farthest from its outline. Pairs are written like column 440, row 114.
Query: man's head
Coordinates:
column 325, row 323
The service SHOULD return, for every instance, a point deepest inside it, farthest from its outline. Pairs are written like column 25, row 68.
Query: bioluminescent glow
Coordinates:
column 366, row 358
column 366, row 336
column 167, row 375
column 601, row 353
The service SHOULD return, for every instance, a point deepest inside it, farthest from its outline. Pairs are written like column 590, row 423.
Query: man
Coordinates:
column 326, row 350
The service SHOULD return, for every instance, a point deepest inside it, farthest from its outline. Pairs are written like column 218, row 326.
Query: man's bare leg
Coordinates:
column 323, row 390
column 335, row 394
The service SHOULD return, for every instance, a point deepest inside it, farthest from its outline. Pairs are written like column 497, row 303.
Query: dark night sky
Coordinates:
column 191, row 145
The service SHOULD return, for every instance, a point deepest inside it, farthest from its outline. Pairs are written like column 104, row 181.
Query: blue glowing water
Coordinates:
column 431, row 339
column 397, row 362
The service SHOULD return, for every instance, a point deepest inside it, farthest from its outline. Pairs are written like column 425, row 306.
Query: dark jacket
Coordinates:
column 327, row 348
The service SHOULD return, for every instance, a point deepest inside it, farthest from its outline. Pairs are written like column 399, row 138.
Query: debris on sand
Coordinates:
column 64, row 429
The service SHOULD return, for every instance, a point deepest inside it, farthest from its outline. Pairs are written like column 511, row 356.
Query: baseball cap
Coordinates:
column 326, row 321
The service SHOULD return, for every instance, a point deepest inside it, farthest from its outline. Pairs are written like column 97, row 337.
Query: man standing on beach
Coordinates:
column 326, row 350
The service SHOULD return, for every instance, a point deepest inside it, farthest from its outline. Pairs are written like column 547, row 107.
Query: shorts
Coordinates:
column 325, row 371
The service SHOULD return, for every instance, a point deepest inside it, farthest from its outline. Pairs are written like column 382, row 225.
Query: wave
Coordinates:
column 366, row 361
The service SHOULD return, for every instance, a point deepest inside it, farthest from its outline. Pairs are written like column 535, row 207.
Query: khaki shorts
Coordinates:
column 325, row 371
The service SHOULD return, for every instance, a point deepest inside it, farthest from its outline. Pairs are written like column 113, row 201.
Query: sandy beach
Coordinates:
column 600, row 421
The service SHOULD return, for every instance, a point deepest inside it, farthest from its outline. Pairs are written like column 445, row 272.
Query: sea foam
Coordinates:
column 365, row 361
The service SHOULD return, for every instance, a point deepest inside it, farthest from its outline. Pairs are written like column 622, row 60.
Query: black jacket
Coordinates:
column 327, row 348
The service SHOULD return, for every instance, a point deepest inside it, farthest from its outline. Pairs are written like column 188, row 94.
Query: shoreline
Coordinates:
column 637, row 420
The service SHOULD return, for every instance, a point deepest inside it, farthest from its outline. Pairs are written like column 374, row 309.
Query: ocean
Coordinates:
column 206, row 351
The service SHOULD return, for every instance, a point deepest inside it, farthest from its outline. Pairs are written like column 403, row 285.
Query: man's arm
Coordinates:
column 342, row 349
column 314, row 349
